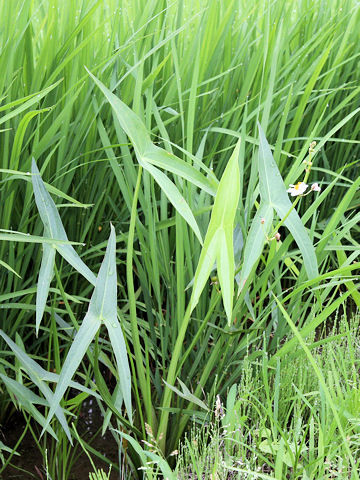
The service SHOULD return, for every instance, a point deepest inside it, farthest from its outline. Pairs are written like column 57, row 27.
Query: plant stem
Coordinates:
column 132, row 304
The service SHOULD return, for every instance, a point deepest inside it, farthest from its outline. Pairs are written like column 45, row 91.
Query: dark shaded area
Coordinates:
column 31, row 465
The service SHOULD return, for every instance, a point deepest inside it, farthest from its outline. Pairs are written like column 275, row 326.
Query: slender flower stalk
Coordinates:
column 299, row 189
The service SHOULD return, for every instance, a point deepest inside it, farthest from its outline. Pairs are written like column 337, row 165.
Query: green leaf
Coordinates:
column 54, row 227
column 187, row 395
column 218, row 243
column 255, row 241
column 4, row 448
column 106, row 297
column 10, row 269
column 273, row 192
column 102, row 308
column 12, row 236
column 337, row 216
column 45, row 276
column 80, row 344
column 149, row 156
column 168, row 161
column 167, row 473
column 175, row 198
column 27, row 398
column 19, row 136
column 28, row 102
column 35, row 373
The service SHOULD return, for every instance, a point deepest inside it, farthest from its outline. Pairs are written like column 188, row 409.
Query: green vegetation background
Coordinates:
column 199, row 75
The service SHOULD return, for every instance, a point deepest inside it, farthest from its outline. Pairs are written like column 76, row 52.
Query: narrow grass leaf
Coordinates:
column 10, row 269
column 337, row 215
column 6, row 235
column 35, row 373
column 28, row 102
column 322, row 382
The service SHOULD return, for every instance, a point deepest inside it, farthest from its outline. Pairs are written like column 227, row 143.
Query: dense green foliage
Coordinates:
column 144, row 115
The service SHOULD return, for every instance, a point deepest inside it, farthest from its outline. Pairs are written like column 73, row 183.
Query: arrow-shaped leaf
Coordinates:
column 218, row 243
column 53, row 228
column 150, row 156
column 273, row 191
column 27, row 398
column 106, row 299
column 102, row 308
column 186, row 394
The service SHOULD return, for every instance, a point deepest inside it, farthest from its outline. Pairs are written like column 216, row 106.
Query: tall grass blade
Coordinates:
column 35, row 373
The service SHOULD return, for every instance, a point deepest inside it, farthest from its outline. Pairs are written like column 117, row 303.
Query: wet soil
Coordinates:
column 31, row 465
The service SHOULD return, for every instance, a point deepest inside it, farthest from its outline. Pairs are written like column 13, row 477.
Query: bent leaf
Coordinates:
column 186, row 394
column 27, row 399
column 175, row 197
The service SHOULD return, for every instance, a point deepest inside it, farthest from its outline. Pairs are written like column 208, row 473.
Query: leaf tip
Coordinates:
column 34, row 168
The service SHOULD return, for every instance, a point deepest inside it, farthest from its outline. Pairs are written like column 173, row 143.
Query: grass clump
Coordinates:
column 276, row 423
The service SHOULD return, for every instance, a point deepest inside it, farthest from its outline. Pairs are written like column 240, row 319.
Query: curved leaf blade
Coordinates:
column 175, row 197
column 35, row 373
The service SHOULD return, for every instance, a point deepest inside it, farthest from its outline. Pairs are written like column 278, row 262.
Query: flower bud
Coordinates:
column 315, row 187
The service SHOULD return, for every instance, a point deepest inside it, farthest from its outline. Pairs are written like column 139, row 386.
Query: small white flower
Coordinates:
column 297, row 189
column 315, row 187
